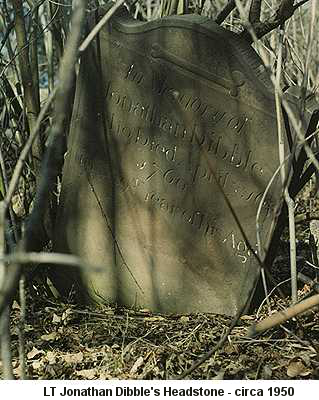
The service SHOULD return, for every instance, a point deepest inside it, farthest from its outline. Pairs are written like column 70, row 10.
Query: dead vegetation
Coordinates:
column 64, row 341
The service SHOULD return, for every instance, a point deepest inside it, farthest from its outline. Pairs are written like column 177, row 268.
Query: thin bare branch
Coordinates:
column 283, row 13
column 5, row 338
column 26, row 150
column 21, row 327
column 30, row 96
column 229, row 7
column 100, row 25
column 283, row 316
column 67, row 260
column 254, row 11
column 5, row 342
column 281, row 150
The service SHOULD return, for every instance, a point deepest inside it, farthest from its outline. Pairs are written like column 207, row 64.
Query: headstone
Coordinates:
column 170, row 117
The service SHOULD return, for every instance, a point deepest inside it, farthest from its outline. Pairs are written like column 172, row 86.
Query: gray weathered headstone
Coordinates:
column 168, row 115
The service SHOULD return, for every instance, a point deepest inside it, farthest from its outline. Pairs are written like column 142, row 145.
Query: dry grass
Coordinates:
column 68, row 342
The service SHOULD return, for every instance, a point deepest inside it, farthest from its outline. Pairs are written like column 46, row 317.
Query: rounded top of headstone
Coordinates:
column 237, row 49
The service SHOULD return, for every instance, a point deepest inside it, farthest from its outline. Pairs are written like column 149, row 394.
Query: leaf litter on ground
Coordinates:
column 69, row 342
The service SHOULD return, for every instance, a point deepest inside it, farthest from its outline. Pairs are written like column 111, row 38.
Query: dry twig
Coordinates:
column 5, row 338
column 283, row 316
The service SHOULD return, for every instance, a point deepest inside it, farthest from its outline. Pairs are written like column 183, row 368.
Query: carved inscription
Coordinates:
column 240, row 248
column 197, row 219
column 169, row 136
column 161, row 87
column 197, row 173
column 209, row 141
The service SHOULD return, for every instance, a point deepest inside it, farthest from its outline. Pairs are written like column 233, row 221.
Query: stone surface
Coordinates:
column 170, row 116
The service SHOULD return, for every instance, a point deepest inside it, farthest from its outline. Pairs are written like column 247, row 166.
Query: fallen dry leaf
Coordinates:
column 86, row 373
column 67, row 316
column 28, row 328
column 50, row 337
column 73, row 358
column 33, row 353
column 297, row 368
column 247, row 317
column 15, row 305
column 156, row 318
column 51, row 357
column 266, row 372
column 219, row 376
column 105, row 376
column 138, row 363
column 37, row 364
column 17, row 371
column 56, row 319
column 145, row 310
column 231, row 348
